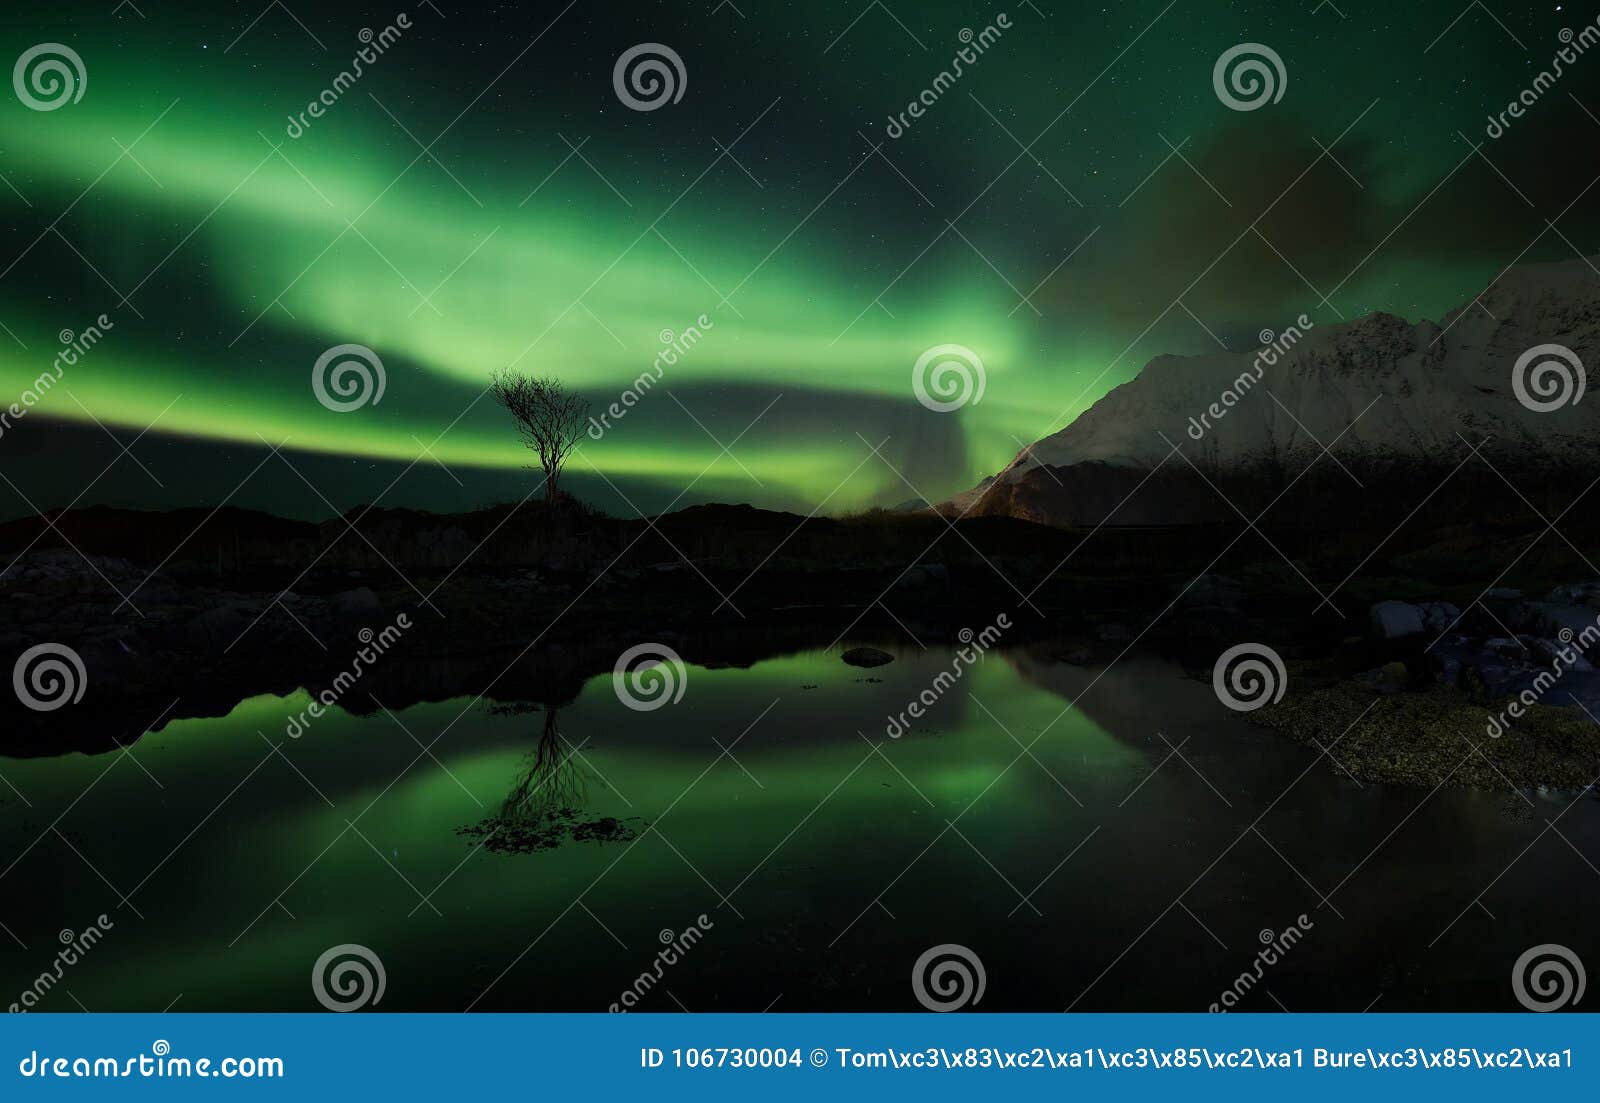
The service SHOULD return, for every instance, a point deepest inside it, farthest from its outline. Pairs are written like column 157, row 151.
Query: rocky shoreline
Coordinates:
column 1513, row 674
column 196, row 645
column 1501, row 695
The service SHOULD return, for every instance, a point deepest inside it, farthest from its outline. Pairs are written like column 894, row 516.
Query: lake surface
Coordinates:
column 1131, row 852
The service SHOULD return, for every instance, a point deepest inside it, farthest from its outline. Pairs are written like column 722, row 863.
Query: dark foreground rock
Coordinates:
column 866, row 657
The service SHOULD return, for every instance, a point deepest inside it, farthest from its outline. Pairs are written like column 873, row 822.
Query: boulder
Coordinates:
column 1446, row 667
column 1387, row 680
column 1392, row 620
column 1576, row 593
column 1553, row 620
column 1551, row 652
column 1581, row 688
column 1213, row 591
column 221, row 625
column 866, row 657
column 924, row 574
column 356, row 602
column 1439, row 616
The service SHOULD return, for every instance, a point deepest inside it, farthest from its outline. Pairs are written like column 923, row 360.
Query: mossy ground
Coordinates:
column 1439, row 735
column 528, row 835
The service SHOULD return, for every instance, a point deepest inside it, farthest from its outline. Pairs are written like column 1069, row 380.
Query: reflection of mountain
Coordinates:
column 1117, row 699
column 1194, row 754
column 1398, row 399
column 409, row 675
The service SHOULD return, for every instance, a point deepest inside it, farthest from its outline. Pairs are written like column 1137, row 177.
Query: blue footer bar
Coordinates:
column 792, row 1056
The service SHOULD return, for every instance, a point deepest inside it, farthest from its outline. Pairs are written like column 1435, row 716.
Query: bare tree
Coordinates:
column 550, row 419
column 551, row 780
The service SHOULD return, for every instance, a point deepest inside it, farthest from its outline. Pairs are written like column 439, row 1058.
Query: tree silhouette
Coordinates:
column 549, row 417
column 550, row 782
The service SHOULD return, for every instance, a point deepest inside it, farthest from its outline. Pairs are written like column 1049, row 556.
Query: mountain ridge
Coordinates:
column 1391, row 398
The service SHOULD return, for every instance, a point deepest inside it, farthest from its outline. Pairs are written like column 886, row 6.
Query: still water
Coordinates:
column 1132, row 851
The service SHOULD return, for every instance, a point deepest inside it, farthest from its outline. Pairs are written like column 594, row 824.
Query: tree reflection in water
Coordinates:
column 545, row 806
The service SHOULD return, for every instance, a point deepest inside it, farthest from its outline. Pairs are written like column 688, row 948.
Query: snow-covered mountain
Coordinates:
column 1392, row 399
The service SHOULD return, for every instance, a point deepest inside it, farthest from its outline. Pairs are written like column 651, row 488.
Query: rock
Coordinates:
column 1392, row 620
column 1446, row 667
column 866, row 657
column 222, row 625
column 1076, row 656
column 357, row 601
column 1438, row 616
column 1552, row 651
column 1577, row 620
column 1389, row 679
column 1213, row 591
column 1576, row 593
column 924, row 574
column 1581, row 688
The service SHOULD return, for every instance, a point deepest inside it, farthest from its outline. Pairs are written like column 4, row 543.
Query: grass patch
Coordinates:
column 1423, row 738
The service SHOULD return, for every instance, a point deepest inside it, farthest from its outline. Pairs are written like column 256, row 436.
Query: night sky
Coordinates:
column 756, row 199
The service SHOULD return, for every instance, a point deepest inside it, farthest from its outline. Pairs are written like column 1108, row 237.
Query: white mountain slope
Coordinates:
column 1423, row 388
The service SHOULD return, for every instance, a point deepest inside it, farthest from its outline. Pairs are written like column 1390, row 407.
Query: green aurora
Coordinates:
column 727, row 822
column 825, row 269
